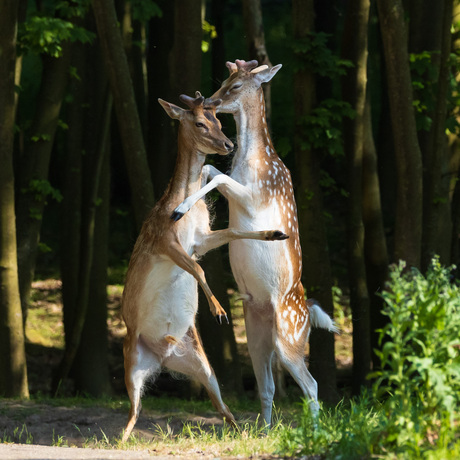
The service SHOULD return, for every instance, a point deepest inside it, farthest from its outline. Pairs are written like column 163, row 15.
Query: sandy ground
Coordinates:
column 30, row 430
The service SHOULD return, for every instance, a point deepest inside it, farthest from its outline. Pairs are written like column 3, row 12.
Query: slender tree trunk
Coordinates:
column 255, row 39
column 408, row 227
column 437, row 224
column 185, row 57
column 35, row 165
column 91, row 367
column 317, row 271
column 354, row 92
column 13, row 368
column 125, row 106
column 375, row 247
column 218, row 44
column 87, row 252
column 162, row 131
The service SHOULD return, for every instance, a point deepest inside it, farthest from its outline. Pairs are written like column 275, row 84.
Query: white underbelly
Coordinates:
column 256, row 264
column 168, row 301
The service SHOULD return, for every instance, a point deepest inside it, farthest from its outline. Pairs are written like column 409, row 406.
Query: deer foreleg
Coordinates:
column 180, row 257
column 218, row 238
column 229, row 187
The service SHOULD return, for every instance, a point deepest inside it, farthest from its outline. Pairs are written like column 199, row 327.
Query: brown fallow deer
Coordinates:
column 160, row 297
column 260, row 194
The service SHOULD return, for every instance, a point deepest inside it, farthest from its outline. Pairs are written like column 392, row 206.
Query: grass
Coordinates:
column 45, row 328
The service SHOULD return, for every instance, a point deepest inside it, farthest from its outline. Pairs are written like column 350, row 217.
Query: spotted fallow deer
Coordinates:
column 160, row 297
column 259, row 192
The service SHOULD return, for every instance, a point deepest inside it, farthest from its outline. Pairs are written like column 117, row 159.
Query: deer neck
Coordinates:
column 186, row 178
column 252, row 131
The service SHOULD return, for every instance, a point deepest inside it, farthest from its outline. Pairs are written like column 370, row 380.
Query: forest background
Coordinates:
column 364, row 113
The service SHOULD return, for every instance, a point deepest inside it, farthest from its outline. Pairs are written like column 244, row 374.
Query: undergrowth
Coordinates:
column 412, row 411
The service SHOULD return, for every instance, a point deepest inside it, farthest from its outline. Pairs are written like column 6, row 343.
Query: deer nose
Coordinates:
column 229, row 146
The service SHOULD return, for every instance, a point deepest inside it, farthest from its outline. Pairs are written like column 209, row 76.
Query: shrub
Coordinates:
column 412, row 412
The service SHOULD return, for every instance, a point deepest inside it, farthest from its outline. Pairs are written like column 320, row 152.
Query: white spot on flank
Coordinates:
column 267, row 149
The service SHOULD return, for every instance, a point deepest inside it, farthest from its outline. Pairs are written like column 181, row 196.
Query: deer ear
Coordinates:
column 172, row 110
column 264, row 76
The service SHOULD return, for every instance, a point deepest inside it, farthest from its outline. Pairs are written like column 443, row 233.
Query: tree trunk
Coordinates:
column 13, row 368
column 142, row 197
column 35, row 165
column 354, row 92
column 87, row 251
column 218, row 44
column 162, row 131
column 90, row 368
column 317, row 271
column 408, row 226
column 375, row 247
column 255, row 39
column 437, row 223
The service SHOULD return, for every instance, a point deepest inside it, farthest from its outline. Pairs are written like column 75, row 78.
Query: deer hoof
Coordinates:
column 277, row 235
column 219, row 319
column 176, row 215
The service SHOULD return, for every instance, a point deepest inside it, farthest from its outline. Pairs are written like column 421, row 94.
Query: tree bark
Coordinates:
column 90, row 369
column 255, row 40
column 408, row 226
column 375, row 246
column 437, row 222
column 137, row 167
column 35, row 166
column 317, row 271
column 13, row 367
column 162, row 131
column 354, row 85
column 86, row 253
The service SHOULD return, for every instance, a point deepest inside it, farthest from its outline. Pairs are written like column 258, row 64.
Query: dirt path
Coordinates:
column 30, row 430
column 28, row 451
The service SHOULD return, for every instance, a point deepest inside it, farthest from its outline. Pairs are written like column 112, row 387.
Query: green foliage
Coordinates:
column 144, row 10
column 346, row 431
column 43, row 189
column 425, row 74
column 322, row 128
column 413, row 411
column 420, row 357
column 46, row 34
column 209, row 33
column 313, row 53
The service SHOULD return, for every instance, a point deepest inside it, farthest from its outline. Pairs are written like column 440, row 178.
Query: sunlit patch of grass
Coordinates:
column 44, row 325
column 196, row 438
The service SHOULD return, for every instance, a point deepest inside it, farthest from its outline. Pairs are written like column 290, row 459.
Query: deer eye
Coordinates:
column 199, row 125
column 236, row 86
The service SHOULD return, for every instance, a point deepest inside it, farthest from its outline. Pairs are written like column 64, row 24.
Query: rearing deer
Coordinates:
column 160, row 297
column 259, row 192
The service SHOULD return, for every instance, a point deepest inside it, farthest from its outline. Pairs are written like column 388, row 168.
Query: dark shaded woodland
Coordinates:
column 364, row 113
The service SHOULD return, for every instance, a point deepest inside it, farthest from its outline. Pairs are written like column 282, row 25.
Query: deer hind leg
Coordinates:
column 292, row 358
column 190, row 359
column 180, row 257
column 140, row 364
column 260, row 346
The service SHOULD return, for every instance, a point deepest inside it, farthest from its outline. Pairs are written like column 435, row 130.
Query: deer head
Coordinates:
column 244, row 81
column 199, row 125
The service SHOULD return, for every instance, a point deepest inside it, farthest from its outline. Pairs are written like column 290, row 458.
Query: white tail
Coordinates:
column 320, row 319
